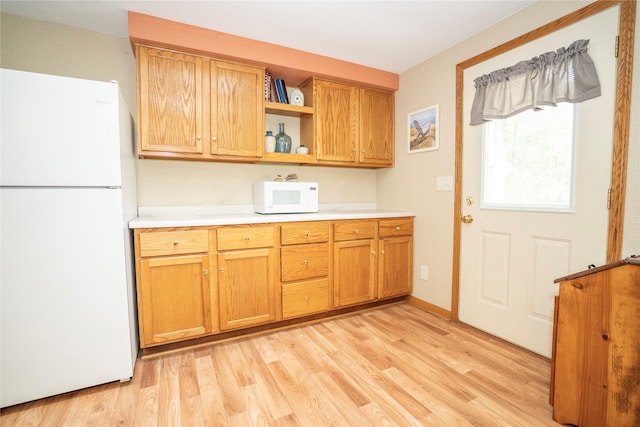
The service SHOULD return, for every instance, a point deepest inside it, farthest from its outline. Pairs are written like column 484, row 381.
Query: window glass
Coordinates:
column 528, row 161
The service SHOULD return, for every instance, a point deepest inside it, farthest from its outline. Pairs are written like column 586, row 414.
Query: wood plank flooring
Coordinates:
column 392, row 366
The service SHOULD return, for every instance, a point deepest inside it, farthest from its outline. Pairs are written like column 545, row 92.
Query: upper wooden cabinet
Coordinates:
column 193, row 107
column 200, row 108
column 376, row 127
column 237, row 110
column 169, row 102
column 351, row 125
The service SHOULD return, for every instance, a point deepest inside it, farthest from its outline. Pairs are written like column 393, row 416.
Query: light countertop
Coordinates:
column 161, row 217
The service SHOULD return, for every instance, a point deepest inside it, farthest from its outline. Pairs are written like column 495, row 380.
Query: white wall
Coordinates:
column 411, row 185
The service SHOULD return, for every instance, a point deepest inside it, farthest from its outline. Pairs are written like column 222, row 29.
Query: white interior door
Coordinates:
column 510, row 257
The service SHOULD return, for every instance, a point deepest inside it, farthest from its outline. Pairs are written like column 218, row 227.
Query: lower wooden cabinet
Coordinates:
column 354, row 272
column 395, row 259
column 395, row 266
column 248, row 288
column 198, row 281
column 174, row 285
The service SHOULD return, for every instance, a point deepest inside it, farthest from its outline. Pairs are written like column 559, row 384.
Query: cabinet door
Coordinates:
column 336, row 120
column 237, row 110
column 248, row 288
column 174, row 299
column 169, row 101
column 376, row 127
column 354, row 272
column 395, row 266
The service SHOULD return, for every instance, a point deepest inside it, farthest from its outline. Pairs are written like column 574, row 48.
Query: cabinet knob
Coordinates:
column 246, row 238
column 306, row 234
column 175, row 243
column 363, row 150
column 221, row 270
column 373, row 252
column 353, row 149
column 381, row 252
column 214, row 138
column 306, row 298
column 306, row 262
column 356, row 231
column 199, row 137
column 205, row 272
column 397, row 228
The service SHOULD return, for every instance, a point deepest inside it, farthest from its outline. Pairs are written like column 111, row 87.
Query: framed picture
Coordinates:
column 423, row 130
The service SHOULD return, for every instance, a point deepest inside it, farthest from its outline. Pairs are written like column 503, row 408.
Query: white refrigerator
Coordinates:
column 67, row 193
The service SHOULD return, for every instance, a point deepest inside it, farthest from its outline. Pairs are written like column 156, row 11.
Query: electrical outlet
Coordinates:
column 424, row 272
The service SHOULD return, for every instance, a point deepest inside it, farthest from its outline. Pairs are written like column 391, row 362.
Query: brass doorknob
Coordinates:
column 467, row 219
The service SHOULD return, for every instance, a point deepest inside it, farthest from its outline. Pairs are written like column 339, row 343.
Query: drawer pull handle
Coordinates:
column 306, row 234
column 221, row 270
column 306, row 298
column 205, row 272
column 175, row 243
column 356, row 231
column 306, row 262
column 246, row 238
column 397, row 228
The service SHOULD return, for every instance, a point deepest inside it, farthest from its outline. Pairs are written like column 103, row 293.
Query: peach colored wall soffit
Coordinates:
column 292, row 65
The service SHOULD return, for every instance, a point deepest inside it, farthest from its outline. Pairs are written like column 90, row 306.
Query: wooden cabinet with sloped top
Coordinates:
column 595, row 366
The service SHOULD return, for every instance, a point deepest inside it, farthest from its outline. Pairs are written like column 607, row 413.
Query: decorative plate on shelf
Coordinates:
column 297, row 98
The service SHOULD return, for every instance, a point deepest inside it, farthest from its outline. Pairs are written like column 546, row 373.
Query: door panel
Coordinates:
column 510, row 258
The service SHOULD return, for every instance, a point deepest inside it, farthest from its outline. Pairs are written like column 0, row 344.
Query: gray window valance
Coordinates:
column 566, row 75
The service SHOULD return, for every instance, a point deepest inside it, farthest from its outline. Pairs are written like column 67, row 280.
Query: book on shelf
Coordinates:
column 267, row 85
column 270, row 91
column 281, row 89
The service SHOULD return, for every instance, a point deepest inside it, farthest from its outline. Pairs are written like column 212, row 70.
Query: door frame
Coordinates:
column 622, row 118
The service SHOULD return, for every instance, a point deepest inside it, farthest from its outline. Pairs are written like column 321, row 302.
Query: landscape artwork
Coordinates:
column 423, row 130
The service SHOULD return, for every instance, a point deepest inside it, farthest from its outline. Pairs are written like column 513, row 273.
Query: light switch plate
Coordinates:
column 444, row 183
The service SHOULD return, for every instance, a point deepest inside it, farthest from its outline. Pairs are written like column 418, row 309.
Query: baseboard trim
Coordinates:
column 427, row 306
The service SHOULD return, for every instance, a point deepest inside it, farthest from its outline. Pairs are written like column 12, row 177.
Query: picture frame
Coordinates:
column 422, row 130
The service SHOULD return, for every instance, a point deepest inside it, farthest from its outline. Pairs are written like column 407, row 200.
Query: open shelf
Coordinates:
column 286, row 109
column 288, row 158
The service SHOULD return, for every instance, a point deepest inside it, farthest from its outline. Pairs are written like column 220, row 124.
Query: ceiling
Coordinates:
column 390, row 35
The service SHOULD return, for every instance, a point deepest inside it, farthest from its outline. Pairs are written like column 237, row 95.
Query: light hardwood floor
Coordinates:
column 392, row 366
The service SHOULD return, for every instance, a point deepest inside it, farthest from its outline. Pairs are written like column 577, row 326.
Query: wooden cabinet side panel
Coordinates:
column 623, row 404
column 170, row 101
column 581, row 354
column 237, row 110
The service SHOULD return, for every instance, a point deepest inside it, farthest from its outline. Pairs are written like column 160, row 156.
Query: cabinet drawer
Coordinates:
column 304, row 232
column 174, row 243
column 304, row 262
column 354, row 230
column 300, row 299
column 245, row 237
column 396, row 227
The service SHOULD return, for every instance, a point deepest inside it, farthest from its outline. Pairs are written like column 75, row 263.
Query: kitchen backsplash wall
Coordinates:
column 59, row 49
column 199, row 183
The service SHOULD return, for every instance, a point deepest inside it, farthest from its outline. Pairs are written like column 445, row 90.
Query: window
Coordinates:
column 528, row 161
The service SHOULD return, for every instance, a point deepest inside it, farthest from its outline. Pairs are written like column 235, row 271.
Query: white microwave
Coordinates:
column 277, row 197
